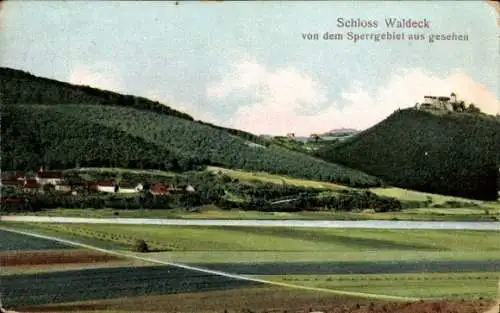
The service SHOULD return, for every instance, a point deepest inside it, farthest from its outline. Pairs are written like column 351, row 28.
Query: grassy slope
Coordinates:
column 275, row 179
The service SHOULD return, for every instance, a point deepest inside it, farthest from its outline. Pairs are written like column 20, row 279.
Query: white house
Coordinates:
column 63, row 187
column 127, row 188
column 51, row 177
column 106, row 186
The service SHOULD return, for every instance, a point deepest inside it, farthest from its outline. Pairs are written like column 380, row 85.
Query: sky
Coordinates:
column 246, row 65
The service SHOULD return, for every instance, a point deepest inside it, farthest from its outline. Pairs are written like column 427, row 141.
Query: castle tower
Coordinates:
column 453, row 97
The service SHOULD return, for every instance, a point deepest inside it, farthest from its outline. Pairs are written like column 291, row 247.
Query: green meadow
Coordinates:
column 265, row 252
column 214, row 244
column 420, row 285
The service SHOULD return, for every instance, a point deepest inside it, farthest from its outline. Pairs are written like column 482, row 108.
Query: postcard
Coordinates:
column 250, row 156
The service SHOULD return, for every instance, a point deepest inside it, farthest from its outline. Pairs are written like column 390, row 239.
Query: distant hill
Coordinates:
column 454, row 153
column 340, row 132
column 63, row 126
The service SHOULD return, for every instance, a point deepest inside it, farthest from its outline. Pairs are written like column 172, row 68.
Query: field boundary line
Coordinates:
column 213, row 272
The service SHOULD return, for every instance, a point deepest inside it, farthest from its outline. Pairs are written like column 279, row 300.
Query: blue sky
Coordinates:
column 245, row 65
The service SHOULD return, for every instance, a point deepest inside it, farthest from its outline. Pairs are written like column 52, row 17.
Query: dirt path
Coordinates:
column 495, row 308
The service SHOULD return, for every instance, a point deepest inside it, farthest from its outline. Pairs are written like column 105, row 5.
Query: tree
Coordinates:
column 48, row 189
column 473, row 109
column 458, row 106
column 315, row 137
column 140, row 246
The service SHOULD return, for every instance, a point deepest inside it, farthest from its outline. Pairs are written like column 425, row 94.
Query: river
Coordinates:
column 371, row 224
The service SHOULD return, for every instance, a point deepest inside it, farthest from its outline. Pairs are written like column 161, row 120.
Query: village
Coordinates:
column 57, row 182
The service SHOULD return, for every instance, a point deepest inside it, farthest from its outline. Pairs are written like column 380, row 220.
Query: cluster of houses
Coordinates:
column 55, row 181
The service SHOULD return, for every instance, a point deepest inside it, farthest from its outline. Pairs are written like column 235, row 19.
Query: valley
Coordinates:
column 229, row 221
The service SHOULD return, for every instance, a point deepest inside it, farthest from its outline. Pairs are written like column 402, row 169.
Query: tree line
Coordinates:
column 215, row 189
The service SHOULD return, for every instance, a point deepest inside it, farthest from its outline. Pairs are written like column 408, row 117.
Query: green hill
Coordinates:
column 452, row 154
column 24, row 88
column 37, row 128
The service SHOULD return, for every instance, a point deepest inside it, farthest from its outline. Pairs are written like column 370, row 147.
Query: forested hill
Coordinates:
column 70, row 127
column 66, row 136
column 454, row 154
column 20, row 87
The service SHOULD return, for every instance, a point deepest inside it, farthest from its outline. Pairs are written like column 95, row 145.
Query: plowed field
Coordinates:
column 48, row 257
column 10, row 241
column 247, row 300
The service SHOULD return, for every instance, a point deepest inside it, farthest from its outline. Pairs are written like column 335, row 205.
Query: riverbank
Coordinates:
column 490, row 213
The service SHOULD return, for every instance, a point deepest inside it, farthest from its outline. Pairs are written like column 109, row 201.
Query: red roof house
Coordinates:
column 159, row 189
column 13, row 175
column 31, row 185
column 50, row 177
column 106, row 186
column 12, row 182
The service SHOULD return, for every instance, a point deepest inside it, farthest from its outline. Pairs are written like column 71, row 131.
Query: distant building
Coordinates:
column 63, row 187
column 125, row 187
column 31, row 186
column 83, row 185
column 12, row 182
column 13, row 176
column 159, row 189
column 106, row 186
column 49, row 177
column 439, row 103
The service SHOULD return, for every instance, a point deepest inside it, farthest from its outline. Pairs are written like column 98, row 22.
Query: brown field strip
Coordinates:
column 49, row 257
column 270, row 300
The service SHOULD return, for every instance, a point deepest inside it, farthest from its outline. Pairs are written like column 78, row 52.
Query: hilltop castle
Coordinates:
column 440, row 103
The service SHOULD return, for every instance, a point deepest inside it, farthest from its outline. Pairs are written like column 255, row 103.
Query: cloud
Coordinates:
column 285, row 100
column 99, row 75
column 246, row 76
column 195, row 111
